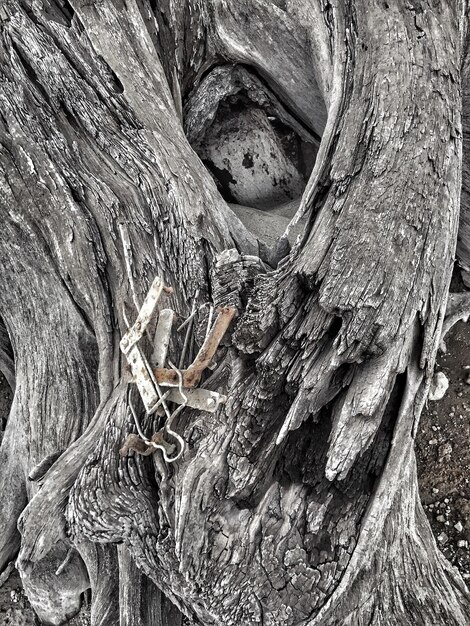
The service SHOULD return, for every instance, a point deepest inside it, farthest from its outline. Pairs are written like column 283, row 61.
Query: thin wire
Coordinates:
column 126, row 244
column 156, row 385
column 209, row 321
column 192, row 314
column 180, row 382
column 126, row 319
column 148, row 442
column 136, row 421
column 168, row 429
column 188, row 331
column 189, row 321
column 160, row 402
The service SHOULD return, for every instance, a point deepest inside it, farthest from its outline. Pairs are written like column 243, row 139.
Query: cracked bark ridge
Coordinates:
column 297, row 501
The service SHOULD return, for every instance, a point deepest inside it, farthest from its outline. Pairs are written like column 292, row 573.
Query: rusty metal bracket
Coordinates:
column 159, row 385
column 145, row 315
column 162, row 337
column 192, row 375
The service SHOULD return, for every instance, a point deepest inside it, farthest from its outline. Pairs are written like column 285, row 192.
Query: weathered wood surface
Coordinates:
column 463, row 244
column 297, row 502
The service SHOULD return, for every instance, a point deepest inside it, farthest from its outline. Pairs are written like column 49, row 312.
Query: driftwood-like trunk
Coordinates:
column 296, row 503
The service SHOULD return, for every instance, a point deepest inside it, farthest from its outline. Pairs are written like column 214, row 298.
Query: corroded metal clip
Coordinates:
column 159, row 385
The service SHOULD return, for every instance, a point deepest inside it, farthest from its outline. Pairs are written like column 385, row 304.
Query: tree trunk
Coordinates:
column 296, row 502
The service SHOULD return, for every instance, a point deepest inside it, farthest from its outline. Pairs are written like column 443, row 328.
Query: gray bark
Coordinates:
column 296, row 503
column 463, row 243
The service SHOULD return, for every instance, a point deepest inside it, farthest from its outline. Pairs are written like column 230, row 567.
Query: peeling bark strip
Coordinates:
column 296, row 501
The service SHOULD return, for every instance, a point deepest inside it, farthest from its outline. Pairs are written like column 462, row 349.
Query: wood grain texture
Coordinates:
column 463, row 243
column 296, row 503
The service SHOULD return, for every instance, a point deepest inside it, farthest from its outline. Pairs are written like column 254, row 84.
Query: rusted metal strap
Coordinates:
column 162, row 337
column 192, row 375
column 147, row 311
column 159, row 385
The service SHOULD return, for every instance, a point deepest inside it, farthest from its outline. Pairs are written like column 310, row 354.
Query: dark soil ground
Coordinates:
column 443, row 455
